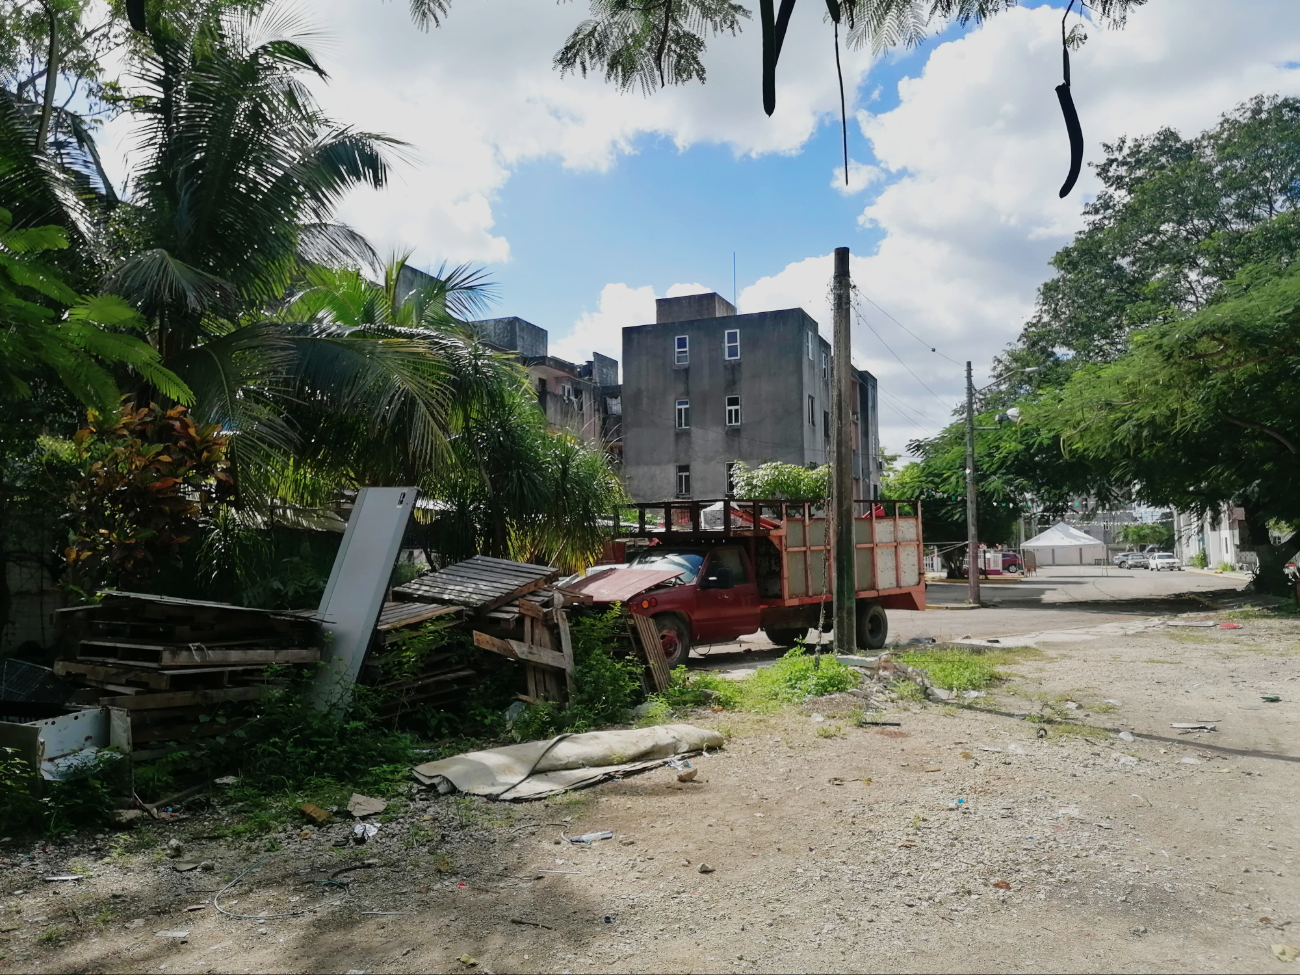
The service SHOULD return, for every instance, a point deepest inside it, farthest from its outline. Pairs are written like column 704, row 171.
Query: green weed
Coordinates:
column 51, row 936
column 958, row 669
column 905, row 690
column 829, row 730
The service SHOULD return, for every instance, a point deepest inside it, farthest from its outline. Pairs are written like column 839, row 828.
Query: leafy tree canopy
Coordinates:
column 776, row 479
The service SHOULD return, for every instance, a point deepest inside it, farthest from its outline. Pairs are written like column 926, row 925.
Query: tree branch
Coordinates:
column 1251, row 425
column 51, row 79
column 663, row 40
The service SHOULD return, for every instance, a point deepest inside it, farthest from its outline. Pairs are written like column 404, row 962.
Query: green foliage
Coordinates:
column 959, row 669
column 777, row 479
column 31, row 805
column 48, row 327
column 797, row 675
column 693, row 689
column 148, row 476
column 1226, row 567
column 608, row 684
column 1199, row 561
column 1156, row 533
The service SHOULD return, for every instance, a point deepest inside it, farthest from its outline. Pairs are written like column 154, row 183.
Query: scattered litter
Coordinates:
column 971, row 695
column 514, row 711
column 1016, row 749
column 705, row 868
column 835, row 780
column 362, row 806
column 925, row 639
column 1286, row 952
column 818, row 718
column 1126, row 736
column 184, row 866
column 688, row 775
column 123, row 817
column 207, row 865
column 1103, row 825
column 1270, row 698
column 1111, row 700
column 363, row 865
column 1068, row 811
column 175, row 935
column 315, row 811
column 530, row 924
column 1188, row 760
column 1126, row 759
column 992, row 641
column 1138, row 930
column 1230, row 626
column 61, row 878
column 1002, row 884
column 1195, row 725
column 1071, row 705
column 136, row 923
column 226, row 780
column 364, row 832
column 989, row 748
column 678, row 763
column 934, row 768
column 604, row 834
column 468, row 960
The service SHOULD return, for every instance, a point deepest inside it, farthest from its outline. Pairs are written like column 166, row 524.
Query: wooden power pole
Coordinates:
column 843, row 410
column 972, row 505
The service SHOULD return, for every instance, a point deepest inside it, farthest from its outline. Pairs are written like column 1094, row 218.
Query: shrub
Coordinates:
column 1199, row 561
column 1226, row 567
column 29, row 804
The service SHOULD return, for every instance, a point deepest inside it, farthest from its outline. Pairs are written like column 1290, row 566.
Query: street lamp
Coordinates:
column 972, row 525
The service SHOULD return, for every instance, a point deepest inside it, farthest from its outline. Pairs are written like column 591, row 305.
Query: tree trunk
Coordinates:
column 1270, row 578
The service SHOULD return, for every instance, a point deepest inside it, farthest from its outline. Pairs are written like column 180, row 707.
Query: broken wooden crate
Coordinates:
column 169, row 662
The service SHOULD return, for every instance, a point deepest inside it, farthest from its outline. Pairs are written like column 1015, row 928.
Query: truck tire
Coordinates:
column 785, row 636
column 873, row 626
column 674, row 638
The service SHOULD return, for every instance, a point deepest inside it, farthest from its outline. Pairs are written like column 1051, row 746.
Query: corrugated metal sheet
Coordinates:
column 480, row 583
column 620, row 585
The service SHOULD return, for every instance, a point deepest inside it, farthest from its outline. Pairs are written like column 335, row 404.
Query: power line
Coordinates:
column 899, row 404
column 863, row 319
column 927, row 345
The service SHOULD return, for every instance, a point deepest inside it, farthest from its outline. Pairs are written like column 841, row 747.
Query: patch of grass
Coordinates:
column 954, row 669
column 1103, row 707
column 905, row 690
column 105, row 916
column 797, row 675
column 51, row 936
column 829, row 730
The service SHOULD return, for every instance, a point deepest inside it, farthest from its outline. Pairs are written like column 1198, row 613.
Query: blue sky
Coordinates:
column 585, row 204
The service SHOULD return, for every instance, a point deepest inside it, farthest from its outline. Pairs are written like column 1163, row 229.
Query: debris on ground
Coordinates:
column 362, row 806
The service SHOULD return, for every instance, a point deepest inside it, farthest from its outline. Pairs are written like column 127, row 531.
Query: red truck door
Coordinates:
column 727, row 596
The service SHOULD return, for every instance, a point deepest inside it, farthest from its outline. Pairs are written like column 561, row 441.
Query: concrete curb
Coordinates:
column 1222, row 575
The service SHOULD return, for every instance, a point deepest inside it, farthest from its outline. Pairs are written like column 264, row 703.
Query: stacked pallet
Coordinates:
column 170, row 662
column 443, row 676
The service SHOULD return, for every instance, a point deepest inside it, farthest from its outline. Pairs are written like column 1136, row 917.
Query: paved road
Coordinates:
column 1054, row 598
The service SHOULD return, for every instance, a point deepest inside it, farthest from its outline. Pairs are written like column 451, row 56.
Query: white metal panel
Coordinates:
column 357, row 585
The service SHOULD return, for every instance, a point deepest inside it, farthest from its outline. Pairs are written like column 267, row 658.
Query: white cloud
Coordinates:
column 861, row 176
column 977, row 150
column 602, row 330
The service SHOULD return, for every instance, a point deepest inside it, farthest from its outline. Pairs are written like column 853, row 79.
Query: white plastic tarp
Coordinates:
column 535, row 769
column 1063, row 545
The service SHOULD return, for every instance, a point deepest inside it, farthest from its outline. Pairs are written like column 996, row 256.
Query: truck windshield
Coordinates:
column 688, row 562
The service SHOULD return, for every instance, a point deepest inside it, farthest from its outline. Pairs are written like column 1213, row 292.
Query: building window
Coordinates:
column 731, row 342
column 683, row 480
column 683, row 414
column 826, row 424
column 812, row 411
column 826, row 365
column 733, row 411
column 812, row 346
column 731, row 479
column 682, row 347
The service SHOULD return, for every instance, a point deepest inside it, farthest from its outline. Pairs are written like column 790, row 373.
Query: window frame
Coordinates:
column 729, row 478
column 812, row 411
column 682, row 471
column 728, row 408
column 826, row 424
column 682, row 414
column 727, row 344
column 811, row 347
column 682, row 350
column 826, row 364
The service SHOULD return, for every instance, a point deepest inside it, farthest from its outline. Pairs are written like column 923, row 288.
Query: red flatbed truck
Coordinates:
column 712, row 571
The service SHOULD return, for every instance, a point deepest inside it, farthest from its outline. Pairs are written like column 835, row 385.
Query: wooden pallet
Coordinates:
column 140, row 654
column 646, row 636
column 150, row 679
column 479, row 584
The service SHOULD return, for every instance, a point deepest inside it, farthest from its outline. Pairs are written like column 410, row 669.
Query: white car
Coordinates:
column 1164, row 560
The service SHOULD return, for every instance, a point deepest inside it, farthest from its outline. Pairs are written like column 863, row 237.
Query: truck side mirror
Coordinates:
column 719, row 577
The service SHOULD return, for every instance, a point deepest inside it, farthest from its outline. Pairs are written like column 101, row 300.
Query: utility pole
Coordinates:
column 972, row 526
column 842, row 410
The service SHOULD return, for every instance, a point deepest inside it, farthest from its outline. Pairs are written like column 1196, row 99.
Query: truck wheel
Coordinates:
column 785, row 636
column 873, row 626
column 674, row 638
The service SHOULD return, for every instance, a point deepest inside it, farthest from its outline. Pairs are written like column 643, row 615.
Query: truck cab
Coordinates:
column 714, row 598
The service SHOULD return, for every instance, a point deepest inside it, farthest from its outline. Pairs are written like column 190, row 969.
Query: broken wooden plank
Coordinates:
column 184, row 698
column 529, row 608
column 201, row 656
column 566, row 649
column 652, row 647
column 395, row 615
column 518, row 650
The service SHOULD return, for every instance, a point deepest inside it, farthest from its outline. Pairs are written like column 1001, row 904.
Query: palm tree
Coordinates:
column 234, row 194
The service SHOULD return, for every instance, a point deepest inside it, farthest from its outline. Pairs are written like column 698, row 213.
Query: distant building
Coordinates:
column 704, row 387
column 1217, row 533
column 580, row 398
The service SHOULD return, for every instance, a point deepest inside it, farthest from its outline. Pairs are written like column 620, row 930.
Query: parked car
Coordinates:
column 1131, row 560
column 1159, row 561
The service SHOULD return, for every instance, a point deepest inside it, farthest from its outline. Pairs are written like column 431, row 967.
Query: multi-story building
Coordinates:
column 582, row 398
column 704, row 387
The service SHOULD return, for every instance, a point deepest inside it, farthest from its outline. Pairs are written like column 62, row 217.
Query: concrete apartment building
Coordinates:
column 704, row 387
column 582, row 398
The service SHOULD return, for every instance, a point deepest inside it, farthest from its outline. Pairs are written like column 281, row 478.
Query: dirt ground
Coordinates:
column 958, row 840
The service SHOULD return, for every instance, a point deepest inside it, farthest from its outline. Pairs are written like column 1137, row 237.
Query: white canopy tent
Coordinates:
column 1063, row 545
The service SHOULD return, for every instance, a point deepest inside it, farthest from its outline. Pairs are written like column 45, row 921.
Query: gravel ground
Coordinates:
column 957, row 841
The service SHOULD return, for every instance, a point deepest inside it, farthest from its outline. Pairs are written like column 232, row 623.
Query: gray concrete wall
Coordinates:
column 514, row 335
column 773, row 378
column 689, row 308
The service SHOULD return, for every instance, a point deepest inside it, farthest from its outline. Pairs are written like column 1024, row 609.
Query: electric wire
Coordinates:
column 924, row 343
column 857, row 310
